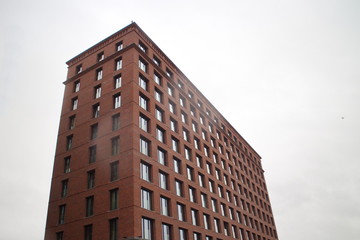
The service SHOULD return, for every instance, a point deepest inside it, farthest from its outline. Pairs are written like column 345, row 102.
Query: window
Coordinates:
column 172, row 107
column 193, row 111
column 223, row 209
column 89, row 206
column 161, row 156
column 206, row 151
column 180, row 84
column 182, row 234
column 194, row 126
column 114, row 171
column 194, row 217
column 208, row 238
column 115, row 146
column 187, row 153
column 190, row 173
column 146, row 228
column 197, row 236
column 143, row 102
column 62, row 214
column 74, row 103
column 181, row 212
column 220, row 191
column 192, row 194
column 158, row 95
column 79, row 68
column 214, row 205
column 201, row 180
column 88, row 232
column 67, row 164
column 197, row 143
column 115, row 122
column 117, row 100
column 143, row 47
column 69, row 142
column 145, row 171
column 208, row 168
column 100, row 56
column 92, row 154
column 206, row 221
column 156, row 61
column 160, row 134
column 163, row 180
column 173, row 125
column 113, row 232
column 164, row 206
column 204, row 135
column 114, row 198
column 190, row 94
column 170, row 90
column 204, row 200
column 146, row 201
column 175, row 144
column 166, row 231
column 179, row 188
column 72, row 122
column 96, row 110
column 142, row 65
column 177, row 165
column 64, row 187
column 99, row 74
column 186, row 135
column 216, row 225
column 119, row 46
column 182, row 101
column 76, row 86
column 117, row 81
column 199, row 161
column 157, row 78
column 143, row 83
column 118, row 64
column 94, row 131
column 211, row 186
column 202, row 120
column 169, row 73
column 226, row 229
column 144, row 123
column 144, row 146
column 159, row 114
column 91, row 179
column 59, row 235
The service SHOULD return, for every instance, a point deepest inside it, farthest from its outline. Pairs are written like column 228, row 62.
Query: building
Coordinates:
column 141, row 153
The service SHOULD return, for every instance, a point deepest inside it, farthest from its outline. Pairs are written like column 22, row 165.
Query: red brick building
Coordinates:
column 141, row 153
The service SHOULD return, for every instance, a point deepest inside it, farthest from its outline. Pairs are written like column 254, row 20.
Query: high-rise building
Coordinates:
column 141, row 153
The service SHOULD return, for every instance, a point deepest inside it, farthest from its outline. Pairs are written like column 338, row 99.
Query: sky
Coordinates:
column 290, row 85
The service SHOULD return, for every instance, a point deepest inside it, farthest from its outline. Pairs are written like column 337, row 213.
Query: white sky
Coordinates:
column 290, row 73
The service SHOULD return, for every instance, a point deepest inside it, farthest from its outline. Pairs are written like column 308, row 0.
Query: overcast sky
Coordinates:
column 290, row 86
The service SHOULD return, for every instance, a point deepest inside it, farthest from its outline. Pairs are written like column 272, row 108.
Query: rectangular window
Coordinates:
column 72, row 122
column 67, row 164
column 78, row 68
column 172, row 107
column 165, row 206
column 192, row 194
column 60, row 236
column 114, row 171
column 166, row 231
column 118, row 64
column 100, row 56
column 158, row 95
column 143, row 65
column 117, row 100
column 119, row 46
column 204, row 200
column 175, row 144
column 146, row 201
column 144, row 123
column 62, row 214
column 146, row 228
column 143, row 47
column 214, row 205
column 187, row 153
column 88, row 232
column 159, row 114
column 173, row 125
column 69, row 142
column 169, row 73
column 184, row 117
column 160, row 134
column 186, row 135
column 182, row 234
column 74, row 103
column 201, row 180
column 113, row 229
column 179, row 188
column 177, row 165
column 206, row 221
column 194, row 126
column 144, row 146
column 114, row 199
column 64, row 187
column 91, row 179
column 89, row 206
column 96, row 110
column 115, row 122
column 182, row 101
column 92, row 154
column 190, row 173
column 143, row 102
column 163, row 180
column 94, row 131
column 117, row 81
column 199, row 162
column 194, row 217
column 156, row 61
column 171, row 90
column 216, row 225
column 181, row 212
column 197, row 236
column 161, row 156
column 157, row 78
column 115, row 146
column 99, row 74
column 97, row 92
column 76, row 86
column 145, row 171
column 143, row 83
